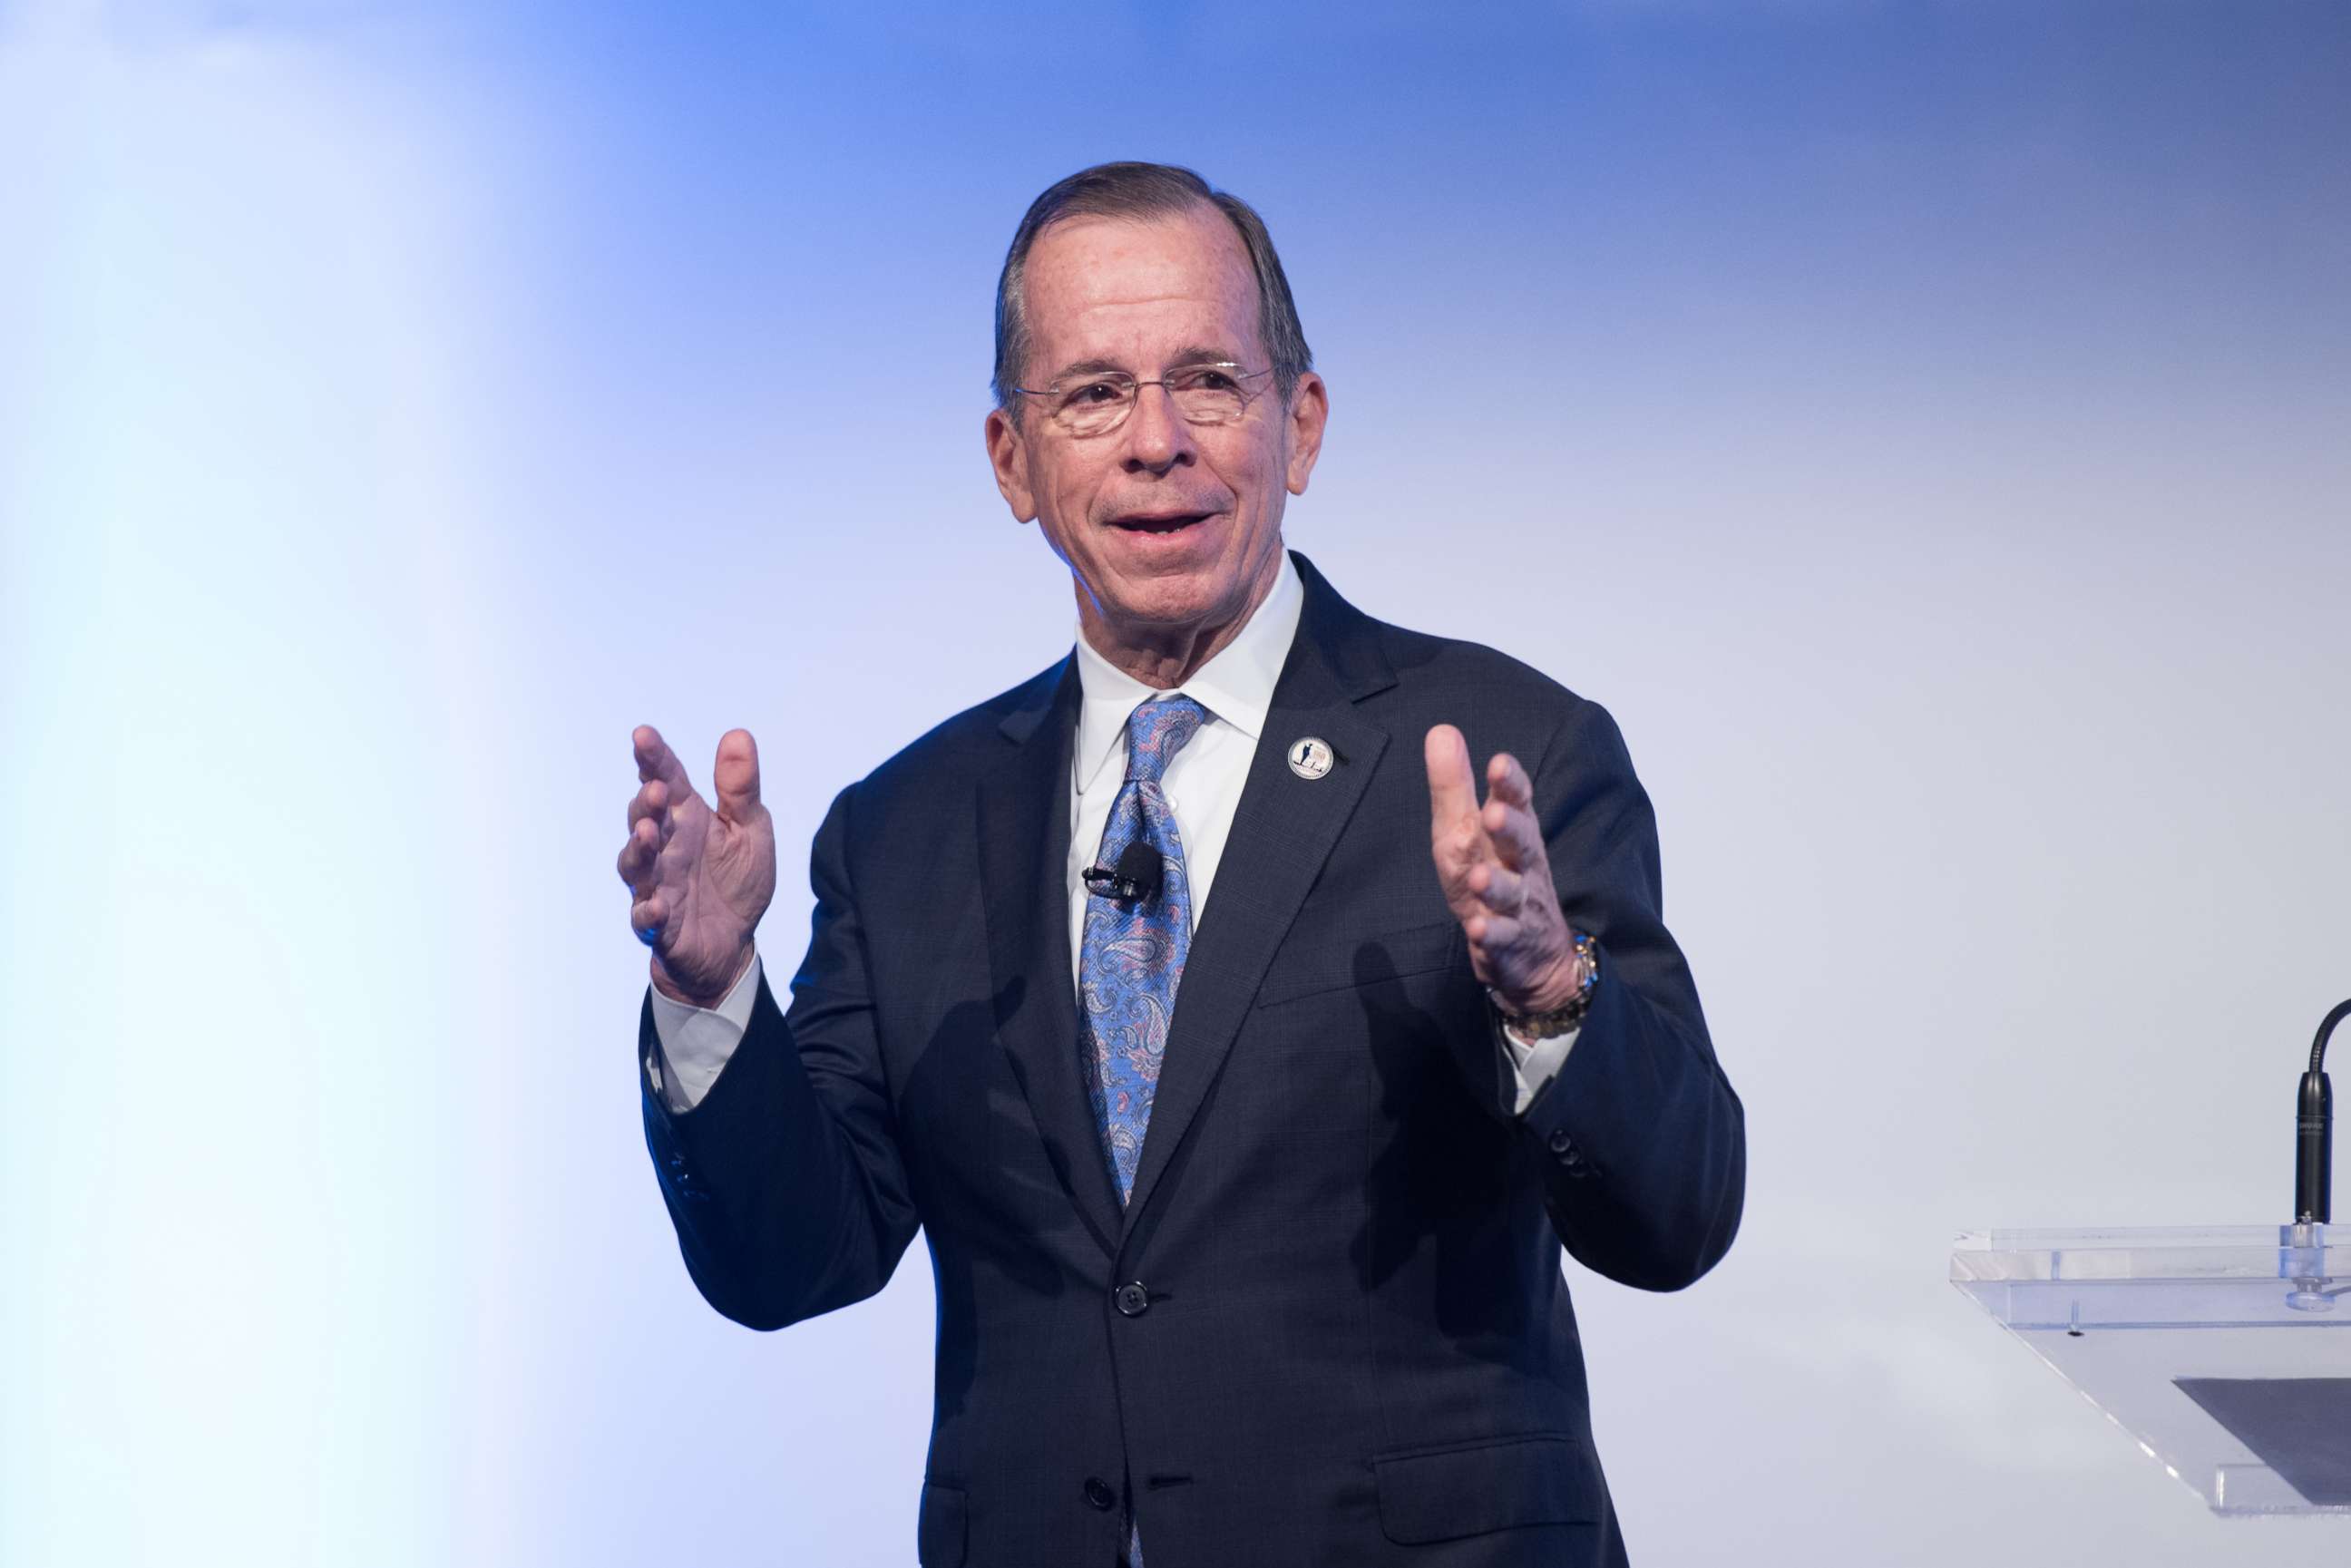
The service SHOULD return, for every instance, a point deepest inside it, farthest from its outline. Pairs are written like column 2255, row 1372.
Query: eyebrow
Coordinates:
column 1190, row 354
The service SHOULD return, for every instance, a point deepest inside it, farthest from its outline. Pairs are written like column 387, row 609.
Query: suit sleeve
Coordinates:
column 1642, row 1142
column 785, row 1181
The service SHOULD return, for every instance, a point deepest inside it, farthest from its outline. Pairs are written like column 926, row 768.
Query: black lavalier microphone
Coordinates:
column 1137, row 875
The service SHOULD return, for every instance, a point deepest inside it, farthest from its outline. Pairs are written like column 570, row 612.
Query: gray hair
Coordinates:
column 1146, row 191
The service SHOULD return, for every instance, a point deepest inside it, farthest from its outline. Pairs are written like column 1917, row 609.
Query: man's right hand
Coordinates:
column 698, row 879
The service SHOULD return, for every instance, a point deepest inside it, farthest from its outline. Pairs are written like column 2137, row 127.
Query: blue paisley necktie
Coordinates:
column 1133, row 956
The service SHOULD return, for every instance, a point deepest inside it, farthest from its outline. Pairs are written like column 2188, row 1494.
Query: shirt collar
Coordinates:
column 1236, row 686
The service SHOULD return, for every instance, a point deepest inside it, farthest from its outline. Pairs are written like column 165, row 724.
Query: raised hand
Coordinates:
column 698, row 879
column 1497, row 877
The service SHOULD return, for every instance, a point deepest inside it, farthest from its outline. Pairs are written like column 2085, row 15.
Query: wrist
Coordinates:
column 1556, row 1004
column 667, row 985
column 1564, row 986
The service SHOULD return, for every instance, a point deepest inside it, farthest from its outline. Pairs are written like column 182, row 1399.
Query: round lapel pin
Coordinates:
column 1310, row 757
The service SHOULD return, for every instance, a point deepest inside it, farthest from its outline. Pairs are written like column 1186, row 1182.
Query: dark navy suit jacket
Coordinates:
column 1331, row 1326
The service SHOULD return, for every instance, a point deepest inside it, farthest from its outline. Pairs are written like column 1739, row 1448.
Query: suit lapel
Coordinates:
column 1283, row 830
column 1024, row 845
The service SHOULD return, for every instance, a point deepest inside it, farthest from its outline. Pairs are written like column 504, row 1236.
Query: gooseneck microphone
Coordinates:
column 1136, row 877
column 2313, row 1132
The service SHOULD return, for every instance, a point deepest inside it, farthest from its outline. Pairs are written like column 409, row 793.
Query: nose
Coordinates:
column 1157, row 438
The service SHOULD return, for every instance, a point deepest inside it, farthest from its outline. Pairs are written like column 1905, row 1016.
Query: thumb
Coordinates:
column 735, row 776
column 1452, row 792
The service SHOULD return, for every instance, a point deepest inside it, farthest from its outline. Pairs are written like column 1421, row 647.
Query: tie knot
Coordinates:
column 1155, row 732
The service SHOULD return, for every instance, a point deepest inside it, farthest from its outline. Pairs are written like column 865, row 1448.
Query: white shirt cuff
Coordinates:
column 694, row 1043
column 1532, row 1063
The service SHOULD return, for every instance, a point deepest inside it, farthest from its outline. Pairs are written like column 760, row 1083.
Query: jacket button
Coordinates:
column 1132, row 1300
column 1098, row 1493
column 1560, row 1142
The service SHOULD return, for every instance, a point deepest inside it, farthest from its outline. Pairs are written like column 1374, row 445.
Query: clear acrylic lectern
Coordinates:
column 2226, row 1352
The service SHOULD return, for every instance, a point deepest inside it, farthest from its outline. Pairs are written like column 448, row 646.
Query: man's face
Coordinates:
column 1169, row 527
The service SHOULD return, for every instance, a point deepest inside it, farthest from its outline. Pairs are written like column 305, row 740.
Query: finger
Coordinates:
column 641, row 856
column 1452, row 791
column 651, row 800
column 736, row 775
column 1508, row 817
column 656, row 760
column 1495, row 934
column 1499, row 888
column 1512, row 830
column 1507, row 781
column 645, row 918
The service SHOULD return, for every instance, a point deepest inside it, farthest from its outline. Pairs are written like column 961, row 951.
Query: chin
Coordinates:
column 1178, row 600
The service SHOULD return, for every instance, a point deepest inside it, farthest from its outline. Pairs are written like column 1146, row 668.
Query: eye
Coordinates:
column 1094, row 393
column 1206, row 377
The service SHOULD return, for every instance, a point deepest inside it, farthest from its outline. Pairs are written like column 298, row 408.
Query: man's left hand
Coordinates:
column 1497, row 878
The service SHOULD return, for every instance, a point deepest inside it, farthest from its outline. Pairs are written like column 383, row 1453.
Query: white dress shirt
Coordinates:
column 1203, row 783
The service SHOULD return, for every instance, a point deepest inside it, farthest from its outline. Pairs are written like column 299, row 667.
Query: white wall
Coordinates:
column 1924, row 433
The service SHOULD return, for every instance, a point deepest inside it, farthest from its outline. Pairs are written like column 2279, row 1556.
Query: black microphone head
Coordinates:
column 1141, row 869
column 2314, row 1151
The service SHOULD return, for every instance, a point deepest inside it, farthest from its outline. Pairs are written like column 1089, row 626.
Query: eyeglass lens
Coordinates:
column 1203, row 394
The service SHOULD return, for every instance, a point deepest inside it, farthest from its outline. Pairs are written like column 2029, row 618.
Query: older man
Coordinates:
column 1244, row 1122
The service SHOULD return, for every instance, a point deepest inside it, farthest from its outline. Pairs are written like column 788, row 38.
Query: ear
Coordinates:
column 1008, row 454
column 1309, row 409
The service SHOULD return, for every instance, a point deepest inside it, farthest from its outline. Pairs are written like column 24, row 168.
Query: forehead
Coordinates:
column 1137, row 288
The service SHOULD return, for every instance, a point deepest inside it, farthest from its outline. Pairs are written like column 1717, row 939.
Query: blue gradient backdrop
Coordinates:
column 1924, row 425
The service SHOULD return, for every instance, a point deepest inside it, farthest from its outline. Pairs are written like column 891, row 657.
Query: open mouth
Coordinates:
column 1159, row 523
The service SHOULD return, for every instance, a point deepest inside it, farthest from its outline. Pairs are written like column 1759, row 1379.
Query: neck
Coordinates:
column 1164, row 657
